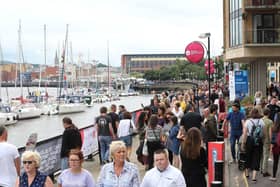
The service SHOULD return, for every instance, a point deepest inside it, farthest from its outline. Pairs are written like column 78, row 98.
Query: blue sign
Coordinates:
column 272, row 74
column 241, row 84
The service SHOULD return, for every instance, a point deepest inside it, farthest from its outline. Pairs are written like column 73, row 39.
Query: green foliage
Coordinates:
column 248, row 100
column 136, row 74
column 181, row 70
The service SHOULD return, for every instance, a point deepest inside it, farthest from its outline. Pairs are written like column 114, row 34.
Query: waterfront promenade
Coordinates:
column 233, row 177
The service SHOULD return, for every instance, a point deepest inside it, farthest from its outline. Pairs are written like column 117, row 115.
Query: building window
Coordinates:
column 235, row 23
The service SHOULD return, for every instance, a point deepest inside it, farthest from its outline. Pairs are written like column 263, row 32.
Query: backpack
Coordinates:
column 257, row 133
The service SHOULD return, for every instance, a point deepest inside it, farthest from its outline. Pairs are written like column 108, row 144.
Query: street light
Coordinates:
column 202, row 36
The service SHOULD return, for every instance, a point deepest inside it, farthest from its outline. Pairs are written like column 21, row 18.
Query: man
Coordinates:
column 266, row 141
column 273, row 107
column 9, row 160
column 211, row 126
column 163, row 174
column 114, row 117
column 105, row 133
column 122, row 109
column 237, row 124
column 191, row 119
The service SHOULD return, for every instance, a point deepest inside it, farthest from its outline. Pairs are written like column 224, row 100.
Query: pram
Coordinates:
column 241, row 156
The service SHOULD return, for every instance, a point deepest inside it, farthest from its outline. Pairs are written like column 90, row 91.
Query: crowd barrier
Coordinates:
column 50, row 149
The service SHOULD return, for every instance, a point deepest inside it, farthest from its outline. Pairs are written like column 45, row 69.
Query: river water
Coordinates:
column 50, row 126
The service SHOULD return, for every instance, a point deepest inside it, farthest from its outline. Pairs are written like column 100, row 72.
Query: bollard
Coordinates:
column 219, row 171
column 216, row 184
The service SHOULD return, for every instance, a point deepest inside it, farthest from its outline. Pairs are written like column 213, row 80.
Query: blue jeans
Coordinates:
column 64, row 163
column 104, row 142
column 233, row 138
column 127, row 140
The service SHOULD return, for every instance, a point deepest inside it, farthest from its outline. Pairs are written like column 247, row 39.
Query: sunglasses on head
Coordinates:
column 27, row 162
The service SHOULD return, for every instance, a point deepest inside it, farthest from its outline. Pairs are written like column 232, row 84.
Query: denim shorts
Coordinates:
column 127, row 140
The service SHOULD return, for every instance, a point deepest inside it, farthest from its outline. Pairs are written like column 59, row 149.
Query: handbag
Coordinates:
column 145, row 148
column 131, row 131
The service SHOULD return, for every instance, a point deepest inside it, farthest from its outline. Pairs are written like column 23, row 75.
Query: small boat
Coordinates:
column 27, row 111
column 6, row 116
column 49, row 109
column 88, row 100
column 67, row 108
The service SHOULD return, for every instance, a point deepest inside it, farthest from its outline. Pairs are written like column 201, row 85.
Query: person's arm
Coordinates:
column 17, row 182
column 17, row 165
column 112, row 130
column 49, row 183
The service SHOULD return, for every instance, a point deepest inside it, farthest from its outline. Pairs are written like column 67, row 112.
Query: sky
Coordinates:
column 126, row 26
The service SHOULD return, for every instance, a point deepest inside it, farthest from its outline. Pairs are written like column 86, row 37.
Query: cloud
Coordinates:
column 131, row 26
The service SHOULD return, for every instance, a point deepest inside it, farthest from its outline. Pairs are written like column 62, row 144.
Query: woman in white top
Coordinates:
column 125, row 130
column 75, row 176
column 252, row 138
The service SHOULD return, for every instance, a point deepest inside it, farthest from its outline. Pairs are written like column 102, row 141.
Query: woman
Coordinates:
column 71, row 139
column 154, row 136
column 119, row 172
column 177, row 111
column 75, row 175
column 126, row 125
column 253, row 143
column 193, row 156
column 31, row 176
column 173, row 143
column 275, row 146
column 161, row 116
column 141, row 128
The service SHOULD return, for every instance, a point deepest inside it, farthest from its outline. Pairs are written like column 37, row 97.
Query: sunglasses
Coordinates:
column 27, row 162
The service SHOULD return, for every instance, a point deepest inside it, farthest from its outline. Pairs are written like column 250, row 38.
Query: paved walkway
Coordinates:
column 233, row 177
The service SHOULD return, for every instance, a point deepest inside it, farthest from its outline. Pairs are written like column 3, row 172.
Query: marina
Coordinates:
column 48, row 126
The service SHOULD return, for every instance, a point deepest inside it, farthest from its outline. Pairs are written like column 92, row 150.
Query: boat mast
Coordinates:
column 45, row 58
column 63, row 61
column 21, row 59
column 108, row 64
column 1, row 64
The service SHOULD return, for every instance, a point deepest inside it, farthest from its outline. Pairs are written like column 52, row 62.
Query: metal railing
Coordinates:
column 263, row 36
column 262, row 3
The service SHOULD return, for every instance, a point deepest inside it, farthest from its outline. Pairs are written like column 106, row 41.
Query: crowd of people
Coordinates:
column 173, row 133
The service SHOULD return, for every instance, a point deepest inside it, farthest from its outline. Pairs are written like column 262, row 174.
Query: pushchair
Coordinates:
column 241, row 156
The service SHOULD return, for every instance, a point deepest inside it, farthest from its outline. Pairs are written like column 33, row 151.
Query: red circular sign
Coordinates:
column 194, row 52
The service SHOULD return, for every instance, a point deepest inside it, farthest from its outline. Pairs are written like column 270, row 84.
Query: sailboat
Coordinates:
column 46, row 106
column 69, row 105
column 22, row 109
column 6, row 116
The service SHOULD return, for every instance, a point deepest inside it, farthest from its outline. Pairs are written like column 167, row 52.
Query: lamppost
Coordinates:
column 202, row 36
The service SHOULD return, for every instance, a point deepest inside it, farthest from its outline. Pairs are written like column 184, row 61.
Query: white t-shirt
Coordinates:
column 170, row 177
column 178, row 114
column 8, row 172
column 69, row 179
column 123, row 129
column 249, row 124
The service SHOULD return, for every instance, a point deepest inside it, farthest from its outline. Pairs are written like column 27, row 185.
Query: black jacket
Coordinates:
column 71, row 139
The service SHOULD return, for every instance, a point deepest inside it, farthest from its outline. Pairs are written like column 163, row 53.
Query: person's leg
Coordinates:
column 170, row 157
column 176, row 161
column 232, row 146
column 108, row 141
column 129, row 145
column 102, row 148
column 265, row 159
column 150, row 160
column 275, row 164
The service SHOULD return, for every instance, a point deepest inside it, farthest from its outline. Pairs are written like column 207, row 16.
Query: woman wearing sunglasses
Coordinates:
column 32, row 177
column 75, row 175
